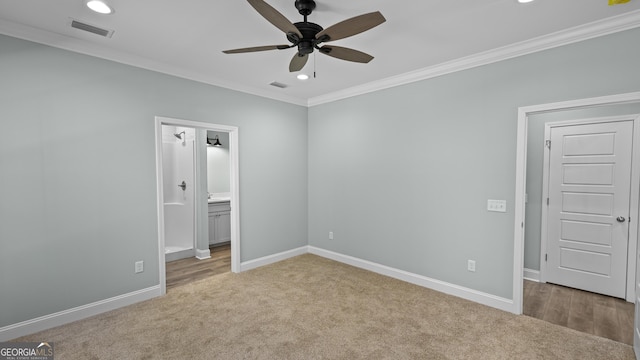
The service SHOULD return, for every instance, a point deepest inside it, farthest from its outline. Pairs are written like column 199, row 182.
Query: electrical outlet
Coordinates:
column 139, row 266
column 497, row 205
column 471, row 265
column 330, row 235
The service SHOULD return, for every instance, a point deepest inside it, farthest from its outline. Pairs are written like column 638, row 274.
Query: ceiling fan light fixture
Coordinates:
column 524, row 1
column 302, row 76
column 99, row 6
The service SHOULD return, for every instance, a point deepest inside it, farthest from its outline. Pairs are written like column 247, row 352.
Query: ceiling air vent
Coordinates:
column 90, row 28
column 278, row 85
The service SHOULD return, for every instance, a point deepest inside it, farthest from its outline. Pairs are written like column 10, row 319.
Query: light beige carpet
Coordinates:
column 309, row 307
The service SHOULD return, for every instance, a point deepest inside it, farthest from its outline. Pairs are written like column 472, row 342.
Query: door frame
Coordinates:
column 633, row 203
column 233, row 182
column 521, row 174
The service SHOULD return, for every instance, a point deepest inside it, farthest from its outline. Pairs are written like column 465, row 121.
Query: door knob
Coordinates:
column 621, row 219
column 184, row 187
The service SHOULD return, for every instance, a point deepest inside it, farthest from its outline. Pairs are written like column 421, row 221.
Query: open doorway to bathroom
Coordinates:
column 214, row 256
column 198, row 192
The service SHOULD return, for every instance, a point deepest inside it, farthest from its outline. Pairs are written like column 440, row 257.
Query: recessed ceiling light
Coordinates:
column 302, row 77
column 524, row 1
column 99, row 6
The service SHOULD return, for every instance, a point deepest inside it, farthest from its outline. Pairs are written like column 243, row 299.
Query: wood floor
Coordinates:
column 184, row 271
column 580, row 310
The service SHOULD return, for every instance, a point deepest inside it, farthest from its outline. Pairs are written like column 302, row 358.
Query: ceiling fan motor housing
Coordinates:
column 308, row 41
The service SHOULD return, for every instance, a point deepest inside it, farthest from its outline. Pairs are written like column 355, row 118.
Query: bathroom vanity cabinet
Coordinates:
column 219, row 222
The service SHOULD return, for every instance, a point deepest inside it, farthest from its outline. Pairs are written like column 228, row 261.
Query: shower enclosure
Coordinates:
column 178, row 161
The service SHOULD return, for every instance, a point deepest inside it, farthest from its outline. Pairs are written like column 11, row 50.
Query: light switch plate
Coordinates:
column 497, row 205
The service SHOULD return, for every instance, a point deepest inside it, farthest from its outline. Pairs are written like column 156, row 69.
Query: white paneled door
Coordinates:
column 589, row 179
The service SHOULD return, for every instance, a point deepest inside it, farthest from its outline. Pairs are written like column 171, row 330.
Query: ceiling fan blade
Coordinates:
column 275, row 17
column 256, row 48
column 346, row 54
column 352, row 26
column 298, row 62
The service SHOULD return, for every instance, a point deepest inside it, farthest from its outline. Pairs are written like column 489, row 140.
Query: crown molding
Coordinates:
column 591, row 30
column 88, row 48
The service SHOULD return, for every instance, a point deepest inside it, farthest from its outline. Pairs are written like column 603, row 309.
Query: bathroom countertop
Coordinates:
column 219, row 200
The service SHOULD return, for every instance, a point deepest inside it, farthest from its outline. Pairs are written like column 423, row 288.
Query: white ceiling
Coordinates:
column 186, row 38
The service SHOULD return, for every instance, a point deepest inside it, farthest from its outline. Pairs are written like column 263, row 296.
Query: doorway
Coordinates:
column 201, row 200
column 524, row 114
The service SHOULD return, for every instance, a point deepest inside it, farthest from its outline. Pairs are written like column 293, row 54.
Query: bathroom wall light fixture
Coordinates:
column 99, row 6
column 215, row 143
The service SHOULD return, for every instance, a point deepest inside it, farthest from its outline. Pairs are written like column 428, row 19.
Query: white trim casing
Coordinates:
column 576, row 34
column 270, row 259
column 420, row 280
column 437, row 285
column 81, row 46
column 82, row 312
column 78, row 313
column 546, row 154
column 162, row 270
column 521, row 175
column 234, row 188
column 203, row 254
column 634, row 214
column 531, row 275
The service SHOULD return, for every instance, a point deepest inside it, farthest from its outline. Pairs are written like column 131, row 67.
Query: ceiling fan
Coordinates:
column 308, row 36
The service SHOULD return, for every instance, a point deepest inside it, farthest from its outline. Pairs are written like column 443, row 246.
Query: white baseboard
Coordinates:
column 270, row 259
column 437, row 285
column 177, row 255
column 64, row 317
column 532, row 275
column 203, row 254
column 78, row 313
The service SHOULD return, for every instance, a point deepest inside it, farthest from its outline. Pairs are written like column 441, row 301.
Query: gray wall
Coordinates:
column 402, row 176
column 78, row 177
column 218, row 163
column 535, row 162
